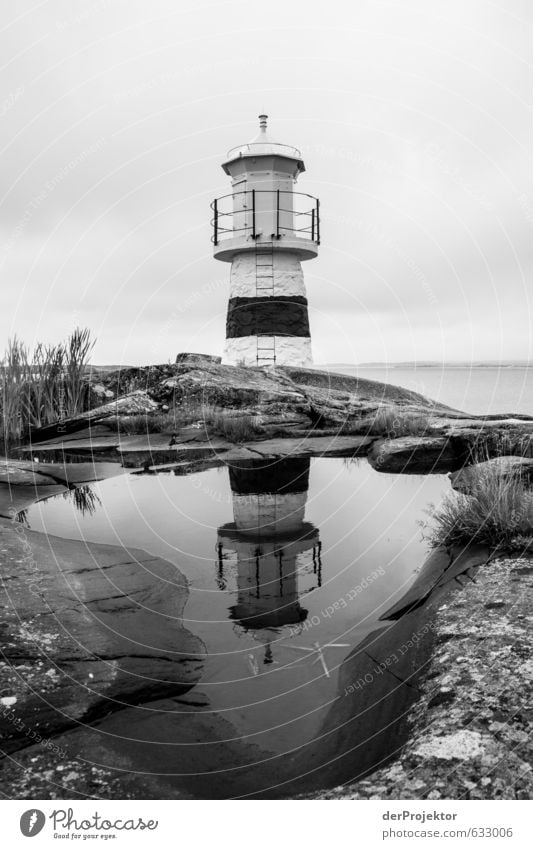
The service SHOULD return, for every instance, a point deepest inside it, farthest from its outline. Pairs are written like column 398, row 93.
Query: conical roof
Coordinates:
column 264, row 145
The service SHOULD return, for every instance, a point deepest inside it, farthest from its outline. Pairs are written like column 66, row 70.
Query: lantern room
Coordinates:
column 263, row 205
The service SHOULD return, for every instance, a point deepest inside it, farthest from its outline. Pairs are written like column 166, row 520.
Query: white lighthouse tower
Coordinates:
column 265, row 229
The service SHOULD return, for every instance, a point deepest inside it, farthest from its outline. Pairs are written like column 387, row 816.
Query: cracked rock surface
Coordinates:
column 471, row 728
column 87, row 629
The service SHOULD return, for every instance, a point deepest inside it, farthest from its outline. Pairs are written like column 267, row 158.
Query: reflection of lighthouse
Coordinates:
column 272, row 546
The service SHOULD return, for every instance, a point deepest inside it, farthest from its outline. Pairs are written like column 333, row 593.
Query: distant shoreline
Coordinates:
column 441, row 366
column 508, row 364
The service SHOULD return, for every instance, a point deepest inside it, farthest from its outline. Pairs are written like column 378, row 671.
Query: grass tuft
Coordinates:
column 235, row 428
column 498, row 511
column 393, row 422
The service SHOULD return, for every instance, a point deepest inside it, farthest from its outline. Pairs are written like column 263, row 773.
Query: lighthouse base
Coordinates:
column 289, row 351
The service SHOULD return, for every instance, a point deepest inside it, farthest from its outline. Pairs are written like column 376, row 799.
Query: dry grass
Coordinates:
column 226, row 423
column 392, row 421
column 498, row 512
column 142, row 423
column 235, row 428
column 168, row 421
column 501, row 443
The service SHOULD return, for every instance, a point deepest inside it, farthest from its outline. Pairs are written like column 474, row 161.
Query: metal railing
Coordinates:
column 301, row 223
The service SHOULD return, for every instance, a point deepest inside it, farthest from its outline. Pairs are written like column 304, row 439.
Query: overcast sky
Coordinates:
column 415, row 121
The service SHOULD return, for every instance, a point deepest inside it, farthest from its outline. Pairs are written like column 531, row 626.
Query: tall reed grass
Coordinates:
column 44, row 386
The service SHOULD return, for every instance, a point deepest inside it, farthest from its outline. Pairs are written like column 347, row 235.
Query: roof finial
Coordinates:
column 263, row 123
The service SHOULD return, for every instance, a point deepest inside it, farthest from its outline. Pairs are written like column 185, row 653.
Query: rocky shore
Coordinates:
column 172, row 408
column 73, row 612
column 471, row 727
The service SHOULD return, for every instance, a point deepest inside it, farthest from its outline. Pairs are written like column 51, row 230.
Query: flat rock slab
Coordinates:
column 329, row 446
column 93, row 431
column 314, row 446
column 467, row 479
column 161, row 442
column 156, row 447
column 85, row 441
column 13, row 474
column 415, row 455
column 87, row 629
column 123, row 444
column 77, row 473
column 26, row 472
column 220, row 451
column 15, row 499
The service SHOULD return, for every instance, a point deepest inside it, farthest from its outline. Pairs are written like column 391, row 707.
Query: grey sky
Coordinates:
column 415, row 123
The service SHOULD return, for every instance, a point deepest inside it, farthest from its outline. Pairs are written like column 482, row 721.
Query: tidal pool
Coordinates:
column 291, row 567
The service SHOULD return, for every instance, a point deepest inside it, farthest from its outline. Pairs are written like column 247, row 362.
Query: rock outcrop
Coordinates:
column 87, row 629
column 197, row 380
column 134, row 403
column 467, row 479
column 417, row 455
column 417, row 435
column 198, row 359
column 470, row 727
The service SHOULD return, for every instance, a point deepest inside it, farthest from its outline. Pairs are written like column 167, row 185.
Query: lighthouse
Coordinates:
column 266, row 229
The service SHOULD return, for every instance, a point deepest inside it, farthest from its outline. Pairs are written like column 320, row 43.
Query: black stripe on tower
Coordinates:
column 285, row 315
column 278, row 476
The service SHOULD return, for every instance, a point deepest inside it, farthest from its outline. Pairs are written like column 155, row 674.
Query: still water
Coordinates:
column 473, row 390
column 290, row 566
